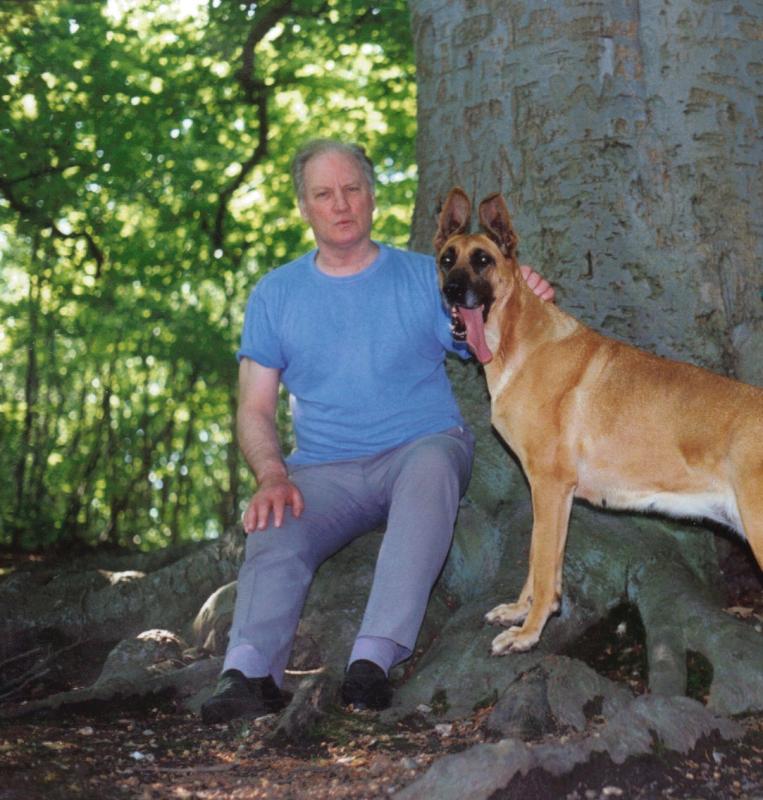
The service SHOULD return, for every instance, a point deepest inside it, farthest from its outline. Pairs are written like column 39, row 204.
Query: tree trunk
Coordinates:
column 626, row 141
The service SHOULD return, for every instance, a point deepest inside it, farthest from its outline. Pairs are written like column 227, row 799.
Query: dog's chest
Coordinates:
column 498, row 389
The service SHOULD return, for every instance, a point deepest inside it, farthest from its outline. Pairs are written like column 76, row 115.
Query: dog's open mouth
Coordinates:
column 468, row 324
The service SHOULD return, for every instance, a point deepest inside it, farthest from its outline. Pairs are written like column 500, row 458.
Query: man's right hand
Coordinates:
column 273, row 494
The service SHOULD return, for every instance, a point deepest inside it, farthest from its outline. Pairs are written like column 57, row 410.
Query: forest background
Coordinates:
column 144, row 189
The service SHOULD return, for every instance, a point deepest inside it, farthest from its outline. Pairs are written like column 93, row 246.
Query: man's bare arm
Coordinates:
column 256, row 427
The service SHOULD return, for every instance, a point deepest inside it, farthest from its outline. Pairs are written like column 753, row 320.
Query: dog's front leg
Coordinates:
column 552, row 501
column 508, row 614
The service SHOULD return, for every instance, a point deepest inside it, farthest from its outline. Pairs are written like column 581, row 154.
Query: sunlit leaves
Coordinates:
column 144, row 188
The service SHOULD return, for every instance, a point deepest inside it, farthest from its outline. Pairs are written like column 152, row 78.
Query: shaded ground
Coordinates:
column 155, row 750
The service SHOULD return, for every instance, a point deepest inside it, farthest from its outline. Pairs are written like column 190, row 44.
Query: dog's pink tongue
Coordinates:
column 475, row 333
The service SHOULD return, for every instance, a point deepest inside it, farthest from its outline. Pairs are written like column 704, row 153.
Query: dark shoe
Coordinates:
column 366, row 686
column 238, row 696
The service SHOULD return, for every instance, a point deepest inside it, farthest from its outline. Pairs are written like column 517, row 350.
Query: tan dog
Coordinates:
column 591, row 417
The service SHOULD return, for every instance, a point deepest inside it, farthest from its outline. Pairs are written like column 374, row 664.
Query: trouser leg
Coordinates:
column 280, row 564
column 423, row 482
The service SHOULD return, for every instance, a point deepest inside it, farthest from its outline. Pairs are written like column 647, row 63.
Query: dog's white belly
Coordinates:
column 718, row 505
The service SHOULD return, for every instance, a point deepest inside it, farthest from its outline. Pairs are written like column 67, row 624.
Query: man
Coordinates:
column 357, row 332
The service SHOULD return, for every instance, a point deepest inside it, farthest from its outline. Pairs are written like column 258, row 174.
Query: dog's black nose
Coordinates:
column 452, row 294
column 455, row 288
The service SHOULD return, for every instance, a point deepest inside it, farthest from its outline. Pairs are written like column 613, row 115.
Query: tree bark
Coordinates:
column 626, row 140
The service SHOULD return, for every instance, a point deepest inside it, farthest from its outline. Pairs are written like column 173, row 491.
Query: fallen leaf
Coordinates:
column 740, row 611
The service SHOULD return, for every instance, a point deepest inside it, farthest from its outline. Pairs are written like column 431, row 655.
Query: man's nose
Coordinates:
column 340, row 200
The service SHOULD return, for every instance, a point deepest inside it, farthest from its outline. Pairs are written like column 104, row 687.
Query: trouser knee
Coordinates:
column 437, row 471
column 275, row 557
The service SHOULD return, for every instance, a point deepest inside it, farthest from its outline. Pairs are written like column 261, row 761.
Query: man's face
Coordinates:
column 338, row 203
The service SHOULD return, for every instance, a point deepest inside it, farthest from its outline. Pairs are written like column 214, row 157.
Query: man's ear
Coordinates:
column 496, row 222
column 454, row 217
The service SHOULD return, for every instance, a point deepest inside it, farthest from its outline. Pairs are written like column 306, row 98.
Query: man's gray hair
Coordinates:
column 318, row 147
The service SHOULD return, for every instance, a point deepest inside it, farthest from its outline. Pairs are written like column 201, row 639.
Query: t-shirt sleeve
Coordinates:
column 445, row 335
column 260, row 340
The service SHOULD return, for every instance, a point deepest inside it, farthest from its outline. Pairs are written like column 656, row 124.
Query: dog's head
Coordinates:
column 477, row 268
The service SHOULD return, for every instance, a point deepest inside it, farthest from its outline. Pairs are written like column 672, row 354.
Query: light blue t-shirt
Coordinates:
column 362, row 356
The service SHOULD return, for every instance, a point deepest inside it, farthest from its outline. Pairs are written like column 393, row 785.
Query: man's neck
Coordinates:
column 341, row 263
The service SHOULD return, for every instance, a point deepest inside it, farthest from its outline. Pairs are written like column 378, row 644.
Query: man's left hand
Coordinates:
column 538, row 283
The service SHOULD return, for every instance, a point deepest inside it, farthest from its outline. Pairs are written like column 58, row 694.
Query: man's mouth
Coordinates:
column 468, row 324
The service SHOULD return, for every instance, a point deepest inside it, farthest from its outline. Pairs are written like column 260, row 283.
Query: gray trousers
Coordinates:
column 415, row 488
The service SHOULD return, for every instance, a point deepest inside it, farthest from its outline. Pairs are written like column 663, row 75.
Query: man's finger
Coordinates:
column 297, row 502
column 263, row 512
column 278, row 507
column 247, row 521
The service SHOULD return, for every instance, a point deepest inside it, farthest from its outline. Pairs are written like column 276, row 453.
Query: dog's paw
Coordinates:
column 508, row 614
column 514, row 640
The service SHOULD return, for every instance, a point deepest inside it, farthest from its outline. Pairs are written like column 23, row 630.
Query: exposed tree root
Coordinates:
column 682, row 614
column 639, row 727
column 153, row 663
column 102, row 604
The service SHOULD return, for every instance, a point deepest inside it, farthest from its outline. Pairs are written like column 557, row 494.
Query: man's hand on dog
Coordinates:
column 273, row 494
column 538, row 283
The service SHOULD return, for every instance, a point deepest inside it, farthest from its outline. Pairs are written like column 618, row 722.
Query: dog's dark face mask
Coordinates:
column 469, row 264
column 468, row 294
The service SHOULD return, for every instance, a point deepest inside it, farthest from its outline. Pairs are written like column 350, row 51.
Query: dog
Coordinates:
column 589, row 416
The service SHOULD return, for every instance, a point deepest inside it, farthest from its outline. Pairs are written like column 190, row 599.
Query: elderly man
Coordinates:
column 357, row 332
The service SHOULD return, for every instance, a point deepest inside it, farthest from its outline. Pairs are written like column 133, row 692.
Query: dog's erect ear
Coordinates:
column 454, row 217
column 495, row 219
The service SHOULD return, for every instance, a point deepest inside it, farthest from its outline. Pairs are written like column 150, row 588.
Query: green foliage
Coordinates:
column 144, row 187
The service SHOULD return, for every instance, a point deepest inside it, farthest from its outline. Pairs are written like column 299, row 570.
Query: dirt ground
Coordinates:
column 153, row 749
column 157, row 752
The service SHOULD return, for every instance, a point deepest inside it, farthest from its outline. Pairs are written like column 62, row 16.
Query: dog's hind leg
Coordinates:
column 552, row 502
column 749, row 495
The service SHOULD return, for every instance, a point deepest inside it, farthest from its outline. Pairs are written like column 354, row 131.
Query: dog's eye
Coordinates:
column 447, row 259
column 480, row 259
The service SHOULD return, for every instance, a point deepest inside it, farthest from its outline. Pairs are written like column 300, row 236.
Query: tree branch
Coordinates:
column 266, row 16
column 46, row 223
column 256, row 94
